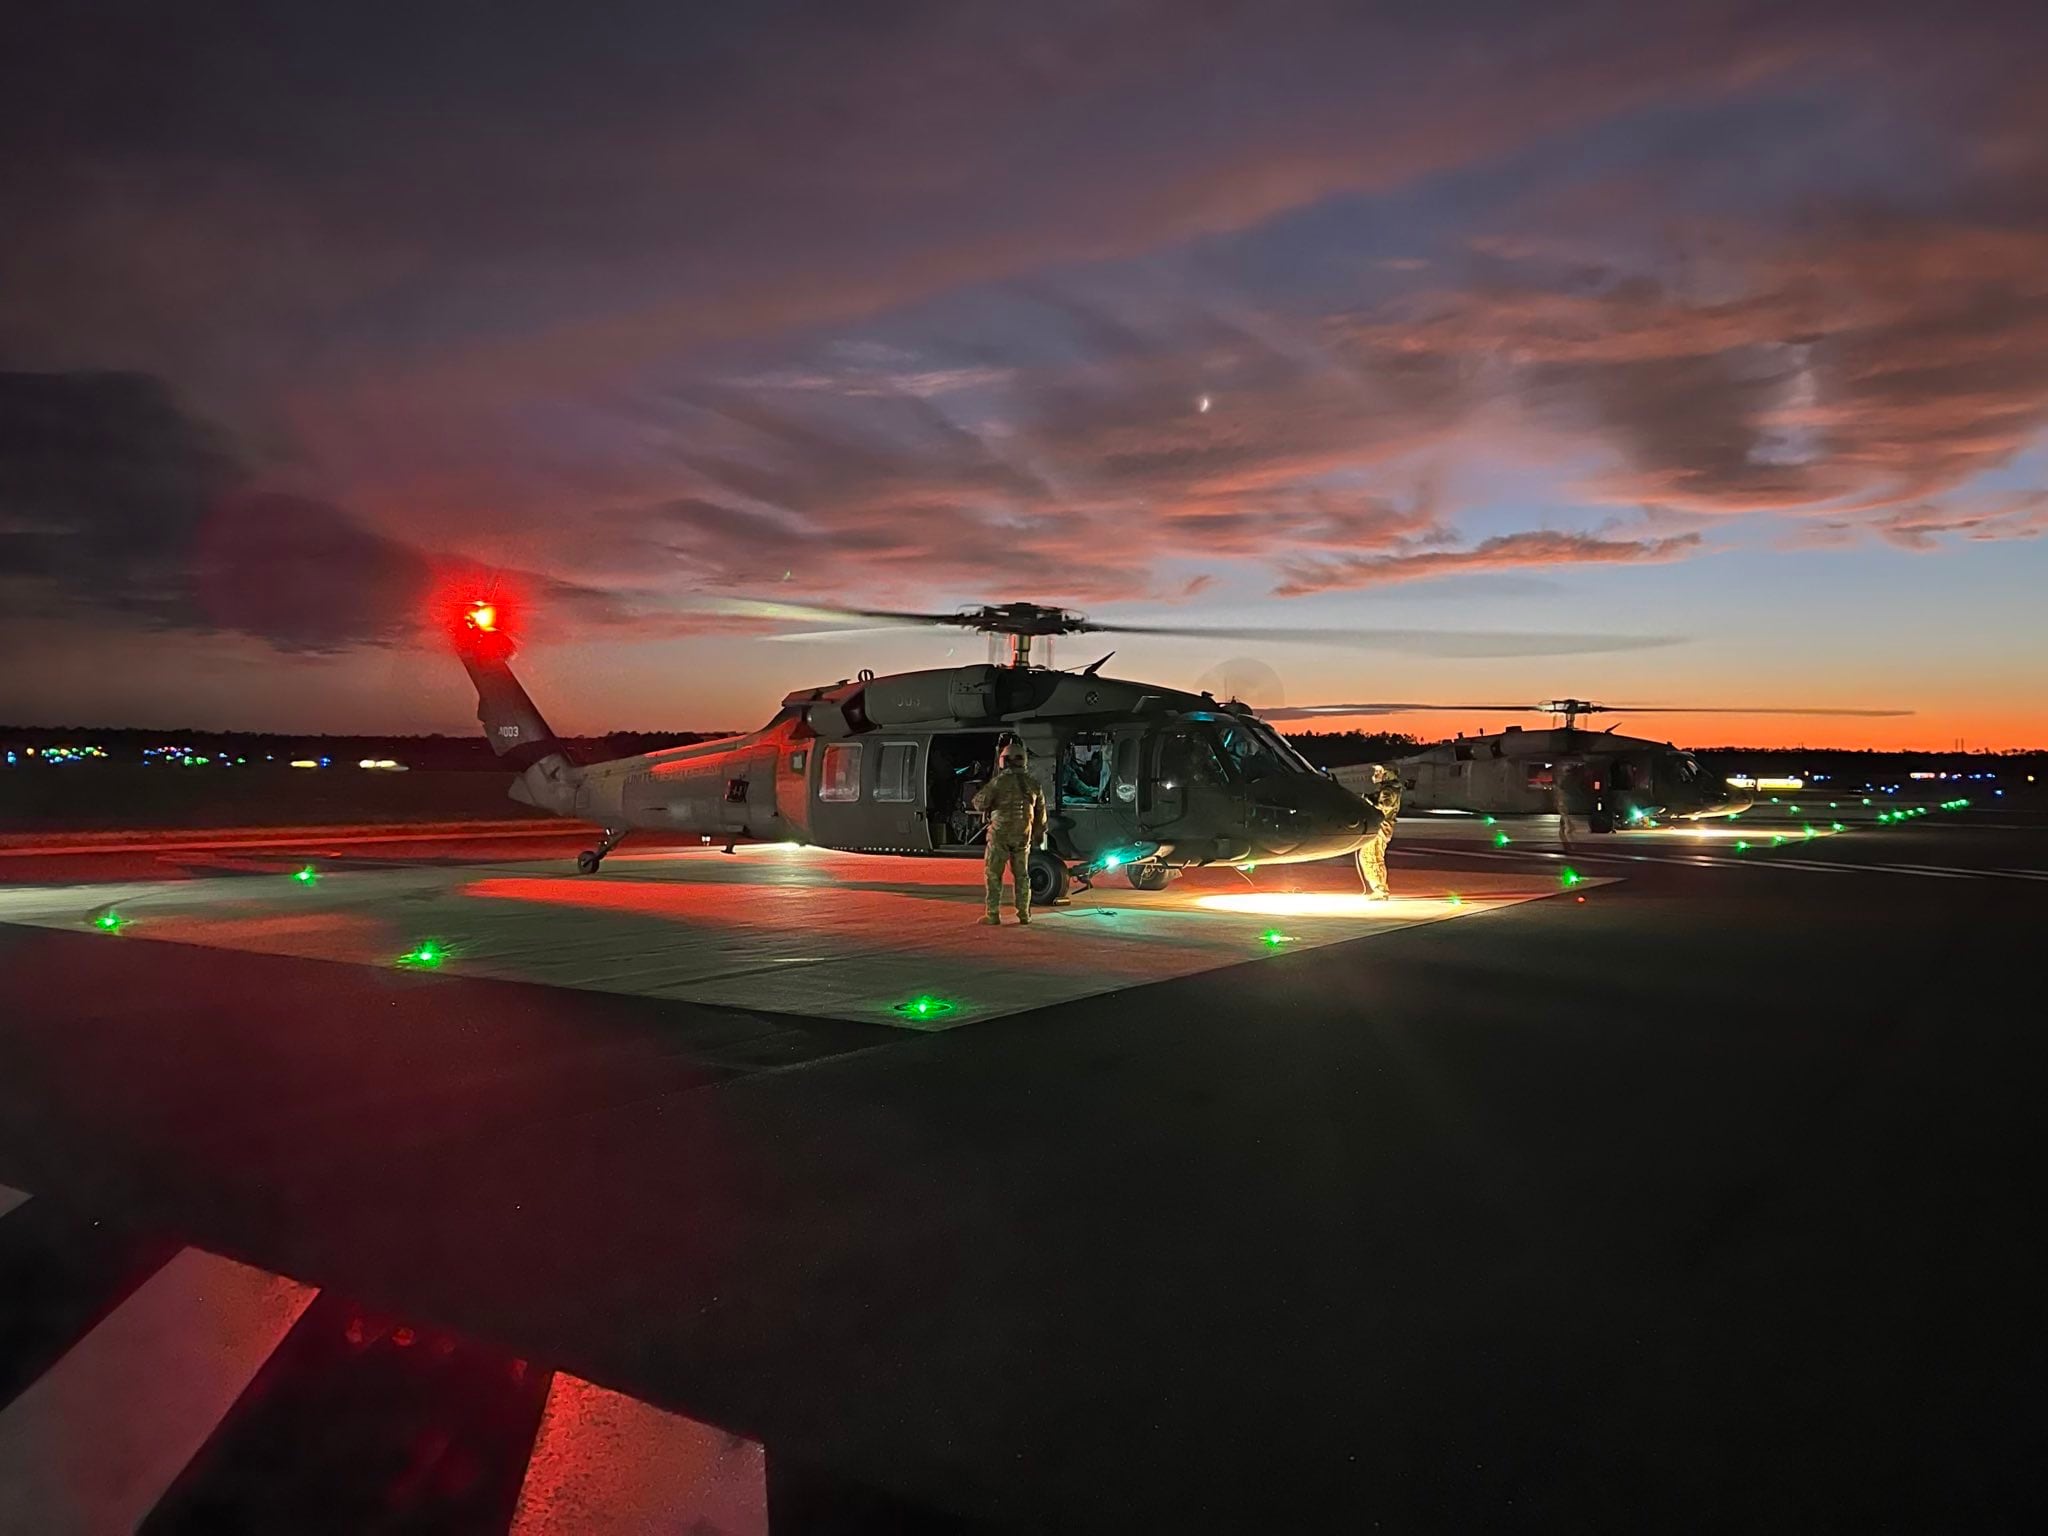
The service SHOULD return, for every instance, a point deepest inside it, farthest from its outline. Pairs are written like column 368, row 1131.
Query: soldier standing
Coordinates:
column 1016, row 821
column 1372, row 854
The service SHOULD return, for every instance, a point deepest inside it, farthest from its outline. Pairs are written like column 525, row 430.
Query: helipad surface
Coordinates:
column 781, row 929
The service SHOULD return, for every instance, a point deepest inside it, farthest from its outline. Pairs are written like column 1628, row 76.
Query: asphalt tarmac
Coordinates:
column 1706, row 1198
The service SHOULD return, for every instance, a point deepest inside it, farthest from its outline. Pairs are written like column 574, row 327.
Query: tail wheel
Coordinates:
column 587, row 862
column 1148, row 877
column 1048, row 878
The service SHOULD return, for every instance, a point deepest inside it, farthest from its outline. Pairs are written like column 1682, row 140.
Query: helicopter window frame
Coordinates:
column 903, row 789
column 839, row 773
column 1540, row 775
column 798, row 759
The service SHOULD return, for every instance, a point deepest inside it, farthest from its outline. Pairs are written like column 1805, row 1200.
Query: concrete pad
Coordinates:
column 781, row 929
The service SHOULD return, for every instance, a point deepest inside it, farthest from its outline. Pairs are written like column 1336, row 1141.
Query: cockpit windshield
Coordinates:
column 1689, row 770
column 1253, row 751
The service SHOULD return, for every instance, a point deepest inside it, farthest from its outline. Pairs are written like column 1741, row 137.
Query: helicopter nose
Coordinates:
column 1341, row 818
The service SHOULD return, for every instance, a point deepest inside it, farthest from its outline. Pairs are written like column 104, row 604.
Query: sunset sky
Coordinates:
column 1719, row 323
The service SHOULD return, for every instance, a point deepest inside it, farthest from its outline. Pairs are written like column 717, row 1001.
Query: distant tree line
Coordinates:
column 1340, row 749
column 123, row 744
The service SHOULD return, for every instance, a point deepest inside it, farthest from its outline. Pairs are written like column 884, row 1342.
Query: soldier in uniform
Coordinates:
column 1372, row 854
column 1016, row 821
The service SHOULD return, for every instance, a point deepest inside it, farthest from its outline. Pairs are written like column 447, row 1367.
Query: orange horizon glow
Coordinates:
column 1981, row 731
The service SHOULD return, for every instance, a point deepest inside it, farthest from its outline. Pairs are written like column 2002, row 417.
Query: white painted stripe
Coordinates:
column 1763, row 857
column 605, row 1463
column 303, row 839
column 10, row 1198
column 1994, row 874
column 91, row 1446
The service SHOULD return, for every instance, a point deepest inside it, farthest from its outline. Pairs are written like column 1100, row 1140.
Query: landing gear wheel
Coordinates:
column 1148, row 877
column 587, row 862
column 1600, row 824
column 1048, row 878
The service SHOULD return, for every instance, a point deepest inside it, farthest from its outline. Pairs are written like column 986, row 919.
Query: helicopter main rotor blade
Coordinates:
column 1737, row 709
column 1421, row 642
column 821, row 613
column 1320, row 711
column 1317, row 711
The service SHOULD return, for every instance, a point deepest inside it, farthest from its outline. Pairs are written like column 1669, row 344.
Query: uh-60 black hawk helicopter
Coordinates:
column 1137, row 777
column 1607, row 780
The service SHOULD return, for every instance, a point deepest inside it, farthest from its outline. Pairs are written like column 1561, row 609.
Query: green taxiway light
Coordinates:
column 109, row 922
column 1273, row 938
column 1489, row 821
column 926, row 1007
column 1793, row 809
column 1775, row 840
column 1807, row 830
column 1836, row 826
column 307, row 875
column 1455, row 899
column 1866, row 799
column 1742, row 847
column 1500, row 839
column 1569, row 877
column 427, row 954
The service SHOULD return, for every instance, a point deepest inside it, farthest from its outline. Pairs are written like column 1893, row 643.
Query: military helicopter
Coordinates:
column 1138, row 777
column 1609, row 781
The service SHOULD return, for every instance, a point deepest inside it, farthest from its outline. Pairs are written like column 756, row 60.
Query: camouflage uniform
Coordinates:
column 1372, row 854
column 1016, row 821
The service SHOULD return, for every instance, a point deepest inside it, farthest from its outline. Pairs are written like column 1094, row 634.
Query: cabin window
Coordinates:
column 797, row 760
column 1084, row 769
column 895, row 771
column 735, row 791
column 839, row 775
column 1542, row 776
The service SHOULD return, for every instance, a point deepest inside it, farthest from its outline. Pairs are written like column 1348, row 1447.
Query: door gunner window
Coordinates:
column 1084, row 770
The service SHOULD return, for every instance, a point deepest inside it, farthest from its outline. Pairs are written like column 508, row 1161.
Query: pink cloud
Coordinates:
column 1511, row 551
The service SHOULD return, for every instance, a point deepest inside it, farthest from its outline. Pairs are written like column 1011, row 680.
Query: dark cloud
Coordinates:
column 117, row 506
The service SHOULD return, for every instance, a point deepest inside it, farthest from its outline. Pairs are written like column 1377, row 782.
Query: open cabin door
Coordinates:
column 957, row 765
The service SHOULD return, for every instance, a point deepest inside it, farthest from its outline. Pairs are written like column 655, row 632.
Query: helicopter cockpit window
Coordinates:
column 1084, row 770
column 1187, row 757
column 1280, row 744
column 839, row 772
column 1248, row 750
column 1690, row 771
